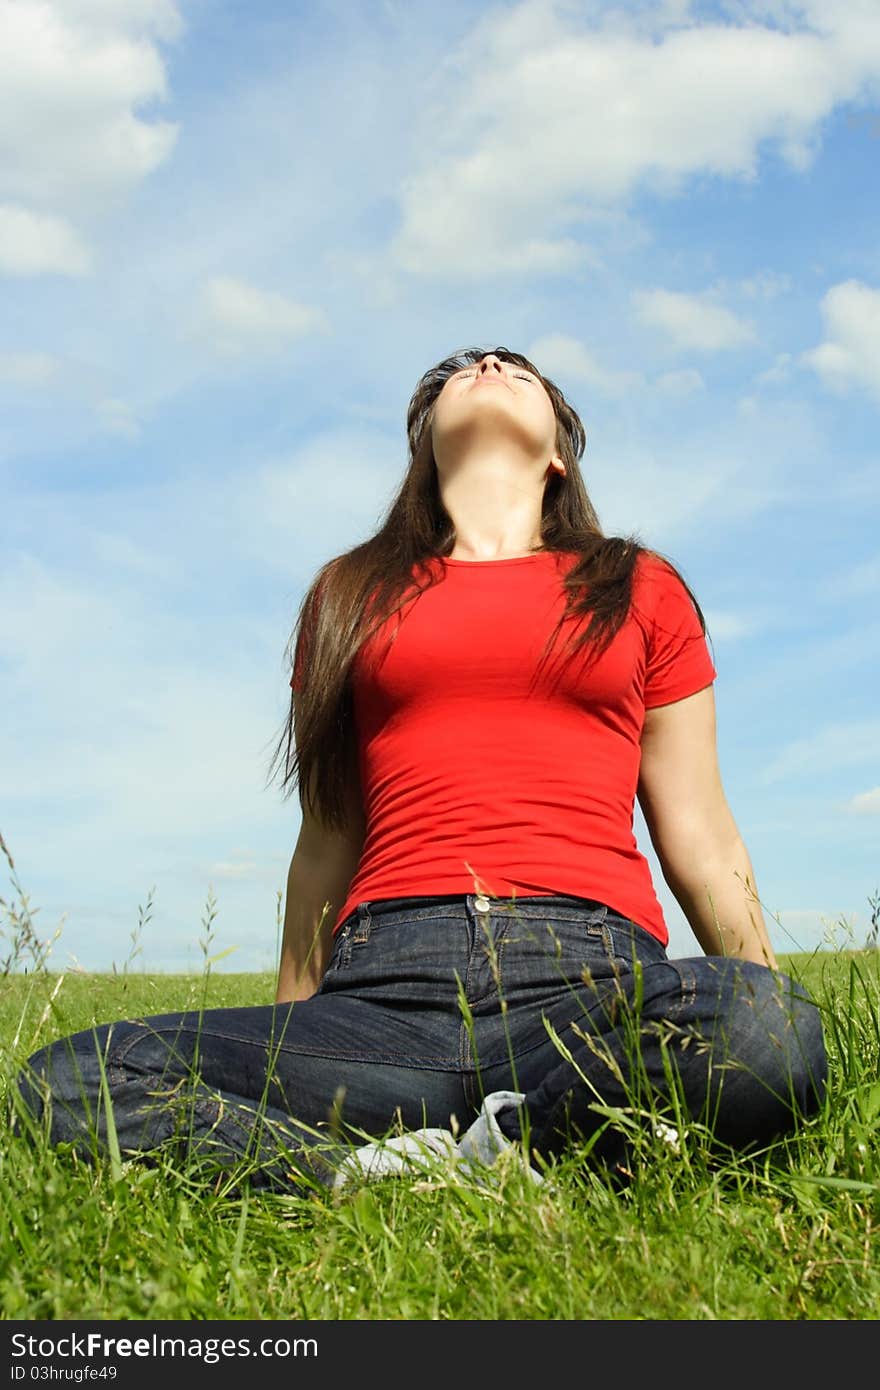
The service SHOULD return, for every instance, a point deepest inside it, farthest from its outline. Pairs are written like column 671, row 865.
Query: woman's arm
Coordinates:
column 317, row 885
column 700, row 849
column 324, row 863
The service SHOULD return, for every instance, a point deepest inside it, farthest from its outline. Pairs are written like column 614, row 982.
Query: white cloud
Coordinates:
column 660, row 495
column 334, row 491
column 46, row 619
column 728, row 626
column 692, row 321
column 75, row 76
column 233, row 868
column 765, row 284
column 830, row 749
column 685, row 382
column 564, row 356
column 117, row 417
column 857, row 582
column 544, row 114
column 704, row 477
column 29, row 369
column 240, row 319
column 779, row 373
column 127, row 17
column 860, row 484
column 866, row 803
column 850, row 354
column 39, row 244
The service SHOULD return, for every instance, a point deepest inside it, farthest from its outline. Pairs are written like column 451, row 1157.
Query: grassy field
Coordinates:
column 788, row 1235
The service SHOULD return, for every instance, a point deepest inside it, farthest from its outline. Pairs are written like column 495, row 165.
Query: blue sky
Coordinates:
column 234, row 235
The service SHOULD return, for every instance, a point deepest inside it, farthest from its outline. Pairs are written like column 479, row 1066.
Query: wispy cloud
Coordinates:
column 540, row 117
column 683, row 382
column 239, row 319
column 850, row 354
column 779, row 373
column 729, row 627
column 692, row 321
column 830, row 749
column 856, row 582
column 39, row 244
column 233, row 868
column 29, row 369
column 766, row 284
column 118, row 417
column 565, row 356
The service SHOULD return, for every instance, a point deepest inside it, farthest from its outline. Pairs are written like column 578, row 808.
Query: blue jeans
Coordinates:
column 427, row 1006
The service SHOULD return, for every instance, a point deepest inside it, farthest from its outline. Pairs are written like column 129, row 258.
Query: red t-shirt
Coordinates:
column 484, row 773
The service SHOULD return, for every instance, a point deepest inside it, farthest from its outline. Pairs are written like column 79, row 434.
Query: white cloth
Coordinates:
column 423, row 1150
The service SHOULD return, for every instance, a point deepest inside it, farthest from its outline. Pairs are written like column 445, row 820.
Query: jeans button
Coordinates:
column 481, row 903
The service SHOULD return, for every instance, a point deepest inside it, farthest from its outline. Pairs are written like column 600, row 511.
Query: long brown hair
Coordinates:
column 354, row 593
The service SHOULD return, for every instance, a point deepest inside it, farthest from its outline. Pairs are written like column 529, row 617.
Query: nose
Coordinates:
column 490, row 363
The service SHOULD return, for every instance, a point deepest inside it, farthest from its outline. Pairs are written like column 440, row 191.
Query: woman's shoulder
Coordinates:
column 654, row 578
column 660, row 593
column 654, row 573
column 651, row 565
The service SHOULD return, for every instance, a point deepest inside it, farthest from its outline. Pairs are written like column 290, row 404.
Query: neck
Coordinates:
column 493, row 518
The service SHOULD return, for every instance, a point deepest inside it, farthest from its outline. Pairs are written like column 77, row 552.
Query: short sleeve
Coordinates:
column 678, row 660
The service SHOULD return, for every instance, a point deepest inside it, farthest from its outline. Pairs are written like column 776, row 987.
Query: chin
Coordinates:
column 490, row 417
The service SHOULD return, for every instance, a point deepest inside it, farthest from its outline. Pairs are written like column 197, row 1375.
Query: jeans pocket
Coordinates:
column 629, row 945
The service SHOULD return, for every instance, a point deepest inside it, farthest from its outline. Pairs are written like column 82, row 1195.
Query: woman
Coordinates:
column 471, row 936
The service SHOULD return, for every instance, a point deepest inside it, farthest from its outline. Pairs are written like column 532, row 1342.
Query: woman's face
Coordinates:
column 491, row 397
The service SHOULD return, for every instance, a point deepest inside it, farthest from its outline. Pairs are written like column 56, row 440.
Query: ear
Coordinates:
column 557, row 465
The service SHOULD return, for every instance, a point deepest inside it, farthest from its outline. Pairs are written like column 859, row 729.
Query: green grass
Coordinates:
column 785, row 1235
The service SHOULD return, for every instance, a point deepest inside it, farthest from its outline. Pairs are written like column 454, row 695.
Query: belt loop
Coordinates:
column 364, row 923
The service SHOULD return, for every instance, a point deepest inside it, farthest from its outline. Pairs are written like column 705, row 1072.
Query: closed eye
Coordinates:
column 523, row 376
